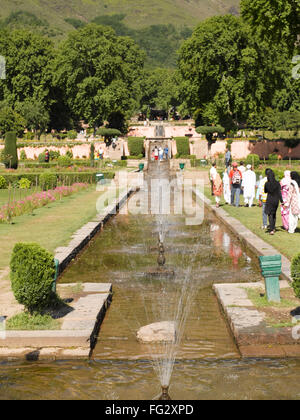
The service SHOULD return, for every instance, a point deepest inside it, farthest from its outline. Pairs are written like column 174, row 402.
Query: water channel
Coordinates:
column 208, row 364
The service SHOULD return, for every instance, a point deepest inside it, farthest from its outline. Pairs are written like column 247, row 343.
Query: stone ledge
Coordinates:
column 79, row 331
column 249, row 326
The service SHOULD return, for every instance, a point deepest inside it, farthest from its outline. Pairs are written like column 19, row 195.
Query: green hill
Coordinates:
column 158, row 26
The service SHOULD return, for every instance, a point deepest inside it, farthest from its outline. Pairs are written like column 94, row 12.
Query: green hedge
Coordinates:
column 183, row 146
column 32, row 274
column 253, row 159
column 295, row 273
column 63, row 177
column 136, row 146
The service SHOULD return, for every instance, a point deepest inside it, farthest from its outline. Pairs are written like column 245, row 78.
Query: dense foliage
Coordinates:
column 276, row 20
column 295, row 273
column 230, row 74
column 97, row 73
column 183, row 146
column 136, row 146
column 32, row 275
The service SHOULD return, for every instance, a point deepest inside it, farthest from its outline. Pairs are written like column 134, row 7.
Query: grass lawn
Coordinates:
column 50, row 226
column 287, row 244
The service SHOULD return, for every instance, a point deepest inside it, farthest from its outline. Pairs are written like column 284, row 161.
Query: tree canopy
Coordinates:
column 276, row 20
column 97, row 72
column 229, row 74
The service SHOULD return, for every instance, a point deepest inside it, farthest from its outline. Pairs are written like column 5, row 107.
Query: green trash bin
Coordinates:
column 271, row 267
column 141, row 167
column 181, row 166
column 100, row 178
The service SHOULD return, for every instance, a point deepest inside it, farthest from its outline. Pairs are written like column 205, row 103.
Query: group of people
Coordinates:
column 158, row 153
column 240, row 180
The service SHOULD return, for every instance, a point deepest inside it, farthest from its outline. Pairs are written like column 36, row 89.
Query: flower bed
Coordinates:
column 37, row 200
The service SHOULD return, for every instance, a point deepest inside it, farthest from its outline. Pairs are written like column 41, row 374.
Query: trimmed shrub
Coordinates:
column 64, row 161
column 3, row 183
column 29, row 136
column 136, row 146
column 253, row 160
column 295, row 273
column 54, row 154
column 273, row 157
column 32, row 274
column 48, row 181
column 92, row 155
column 183, row 146
column 23, row 155
column 42, row 157
column 10, row 150
column 70, row 154
column 24, row 184
column 72, row 135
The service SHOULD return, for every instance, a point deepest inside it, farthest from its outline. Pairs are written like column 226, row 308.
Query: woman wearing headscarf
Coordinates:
column 217, row 188
column 285, row 186
column 226, row 185
column 273, row 189
column 293, row 202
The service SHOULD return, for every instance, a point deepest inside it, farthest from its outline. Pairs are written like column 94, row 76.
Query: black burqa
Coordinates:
column 273, row 189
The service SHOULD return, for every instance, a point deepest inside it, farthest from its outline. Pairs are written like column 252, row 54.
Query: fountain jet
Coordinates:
column 165, row 394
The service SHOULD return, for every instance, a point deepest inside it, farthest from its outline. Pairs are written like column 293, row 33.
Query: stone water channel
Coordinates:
column 208, row 364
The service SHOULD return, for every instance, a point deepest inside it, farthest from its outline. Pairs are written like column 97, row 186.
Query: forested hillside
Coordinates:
column 159, row 26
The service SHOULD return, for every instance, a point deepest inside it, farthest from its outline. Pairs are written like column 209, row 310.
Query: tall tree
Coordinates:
column 228, row 73
column 276, row 20
column 28, row 74
column 97, row 73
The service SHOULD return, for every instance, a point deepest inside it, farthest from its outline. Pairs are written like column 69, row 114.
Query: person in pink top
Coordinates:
column 285, row 187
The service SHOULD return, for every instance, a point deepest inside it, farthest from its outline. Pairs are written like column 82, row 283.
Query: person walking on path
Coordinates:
column 236, row 184
column 248, row 184
column 227, row 158
column 293, row 202
column 273, row 189
column 226, row 185
column 217, row 188
column 285, row 211
column 161, row 153
column 166, row 152
column 212, row 174
column 156, row 153
column 262, row 197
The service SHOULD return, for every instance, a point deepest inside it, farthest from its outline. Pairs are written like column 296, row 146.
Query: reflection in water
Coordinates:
column 224, row 243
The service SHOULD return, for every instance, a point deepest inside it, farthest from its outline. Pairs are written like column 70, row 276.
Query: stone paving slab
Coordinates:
column 97, row 287
column 50, row 353
column 252, row 334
